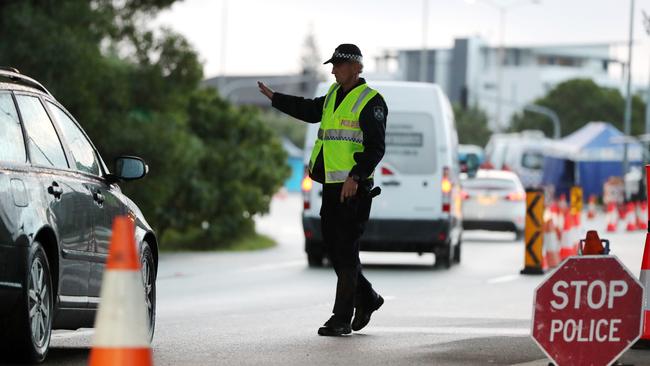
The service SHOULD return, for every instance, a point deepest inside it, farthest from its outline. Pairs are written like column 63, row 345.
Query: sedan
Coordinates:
column 57, row 204
column 494, row 200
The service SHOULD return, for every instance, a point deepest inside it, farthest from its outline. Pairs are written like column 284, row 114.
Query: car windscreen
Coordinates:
column 410, row 143
column 489, row 184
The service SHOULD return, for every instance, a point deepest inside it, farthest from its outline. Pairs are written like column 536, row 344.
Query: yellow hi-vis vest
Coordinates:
column 340, row 135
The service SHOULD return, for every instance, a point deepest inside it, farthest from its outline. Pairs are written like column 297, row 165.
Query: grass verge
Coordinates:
column 194, row 241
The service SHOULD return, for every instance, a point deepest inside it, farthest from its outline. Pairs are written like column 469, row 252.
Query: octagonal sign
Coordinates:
column 588, row 311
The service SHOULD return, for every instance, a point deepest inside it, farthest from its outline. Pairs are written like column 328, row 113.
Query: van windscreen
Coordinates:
column 410, row 143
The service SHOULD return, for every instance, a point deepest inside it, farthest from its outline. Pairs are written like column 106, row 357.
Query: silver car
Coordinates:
column 494, row 200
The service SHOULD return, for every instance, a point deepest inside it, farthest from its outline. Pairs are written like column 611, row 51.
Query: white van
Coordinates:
column 521, row 153
column 419, row 206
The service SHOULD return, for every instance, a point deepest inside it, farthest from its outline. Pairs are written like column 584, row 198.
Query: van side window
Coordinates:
column 532, row 160
column 44, row 145
column 410, row 143
column 82, row 150
column 13, row 147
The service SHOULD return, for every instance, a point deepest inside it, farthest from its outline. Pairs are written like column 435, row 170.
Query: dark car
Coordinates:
column 57, row 204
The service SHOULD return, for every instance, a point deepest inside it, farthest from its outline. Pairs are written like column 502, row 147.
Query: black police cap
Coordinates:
column 346, row 52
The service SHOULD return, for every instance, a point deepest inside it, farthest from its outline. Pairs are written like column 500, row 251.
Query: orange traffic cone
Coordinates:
column 592, row 244
column 612, row 217
column 121, row 330
column 567, row 242
column 630, row 217
column 551, row 246
column 641, row 215
column 591, row 207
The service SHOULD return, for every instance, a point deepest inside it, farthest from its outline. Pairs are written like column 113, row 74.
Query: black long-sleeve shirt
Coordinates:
column 372, row 122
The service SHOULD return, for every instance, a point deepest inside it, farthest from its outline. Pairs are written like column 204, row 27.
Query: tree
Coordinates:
column 472, row 126
column 135, row 90
column 242, row 166
column 578, row 102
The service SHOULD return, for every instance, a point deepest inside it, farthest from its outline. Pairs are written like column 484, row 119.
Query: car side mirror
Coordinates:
column 129, row 168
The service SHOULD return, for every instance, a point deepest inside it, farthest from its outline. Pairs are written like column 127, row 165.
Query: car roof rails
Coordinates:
column 16, row 77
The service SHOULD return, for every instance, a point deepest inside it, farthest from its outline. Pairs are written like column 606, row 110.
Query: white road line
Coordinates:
column 274, row 266
column 503, row 279
column 456, row 330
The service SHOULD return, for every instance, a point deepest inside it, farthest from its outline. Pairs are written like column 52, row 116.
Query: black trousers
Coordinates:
column 342, row 225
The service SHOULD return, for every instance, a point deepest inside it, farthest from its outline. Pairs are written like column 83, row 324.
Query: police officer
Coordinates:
column 349, row 146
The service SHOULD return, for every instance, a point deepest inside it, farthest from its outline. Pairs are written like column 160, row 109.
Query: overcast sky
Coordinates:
column 267, row 36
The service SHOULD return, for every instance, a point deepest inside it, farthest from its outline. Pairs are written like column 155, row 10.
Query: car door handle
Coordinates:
column 98, row 197
column 390, row 183
column 55, row 190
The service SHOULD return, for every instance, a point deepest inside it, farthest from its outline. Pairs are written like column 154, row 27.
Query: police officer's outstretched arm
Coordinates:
column 265, row 90
column 304, row 109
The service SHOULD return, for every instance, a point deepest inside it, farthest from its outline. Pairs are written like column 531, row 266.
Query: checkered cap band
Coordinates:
column 348, row 56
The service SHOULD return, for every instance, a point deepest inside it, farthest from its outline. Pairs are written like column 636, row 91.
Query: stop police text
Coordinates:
column 594, row 295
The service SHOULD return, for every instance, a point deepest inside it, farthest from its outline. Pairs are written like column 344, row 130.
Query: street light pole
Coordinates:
column 646, row 24
column 628, row 97
column 425, row 30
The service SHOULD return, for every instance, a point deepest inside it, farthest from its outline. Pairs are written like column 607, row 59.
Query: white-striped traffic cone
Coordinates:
column 121, row 329
column 612, row 217
column 551, row 246
column 642, row 215
column 630, row 217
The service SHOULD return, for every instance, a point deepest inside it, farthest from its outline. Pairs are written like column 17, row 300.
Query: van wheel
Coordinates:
column 33, row 325
column 443, row 256
column 315, row 259
column 457, row 250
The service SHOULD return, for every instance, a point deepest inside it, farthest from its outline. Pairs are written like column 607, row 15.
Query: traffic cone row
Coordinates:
column 121, row 329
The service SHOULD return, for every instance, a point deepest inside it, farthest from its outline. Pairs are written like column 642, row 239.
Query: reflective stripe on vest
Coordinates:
column 341, row 135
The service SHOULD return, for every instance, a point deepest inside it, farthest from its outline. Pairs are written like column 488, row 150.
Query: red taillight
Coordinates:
column 386, row 171
column 446, row 190
column 506, row 168
column 515, row 196
column 464, row 195
column 307, row 185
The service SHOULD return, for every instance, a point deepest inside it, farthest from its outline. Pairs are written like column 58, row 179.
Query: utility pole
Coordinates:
column 628, row 98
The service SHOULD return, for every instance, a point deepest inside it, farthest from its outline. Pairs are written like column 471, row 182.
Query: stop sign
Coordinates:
column 588, row 312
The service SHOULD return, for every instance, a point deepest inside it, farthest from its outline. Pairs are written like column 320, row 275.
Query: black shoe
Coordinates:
column 362, row 315
column 334, row 328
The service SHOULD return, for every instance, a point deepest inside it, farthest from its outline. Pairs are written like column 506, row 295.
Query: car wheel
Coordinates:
column 149, row 281
column 457, row 250
column 443, row 256
column 36, row 308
